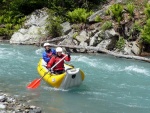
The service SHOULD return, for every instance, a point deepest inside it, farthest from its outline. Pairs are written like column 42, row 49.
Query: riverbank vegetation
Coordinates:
column 13, row 13
column 130, row 19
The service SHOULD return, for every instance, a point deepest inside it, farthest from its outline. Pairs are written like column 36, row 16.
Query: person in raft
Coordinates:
column 59, row 68
column 48, row 53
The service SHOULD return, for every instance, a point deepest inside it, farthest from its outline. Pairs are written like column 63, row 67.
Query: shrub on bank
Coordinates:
column 54, row 25
column 145, row 32
column 78, row 15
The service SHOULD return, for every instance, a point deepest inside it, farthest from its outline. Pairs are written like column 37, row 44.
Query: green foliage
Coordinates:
column 106, row 25
column 147, row 10
column 120, row 43
column 1, row 19
column 75, row 34
column 54, row 27
column 130, row 9
column 137, row 26
column 98, row 18
column 17, row 27
column 116, row 11
column 11, row 23
column 78, row 15
column 9, row 26
column 107, row 12
column 3, row 31
column 145, row 32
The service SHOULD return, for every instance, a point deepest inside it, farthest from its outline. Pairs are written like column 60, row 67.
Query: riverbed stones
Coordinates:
column 9, row 104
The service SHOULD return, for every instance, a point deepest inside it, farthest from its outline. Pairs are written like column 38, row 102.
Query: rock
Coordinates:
column 2, row 106
column 2, row 99
column 122, row 1
column 35, row 29
column 82, row 37
column 135, row 49
column 12, row 105
column 37, row 18
column 66, row 27
column 104, row 43
column 99, row 13
column 83, row 44
column 110, row 33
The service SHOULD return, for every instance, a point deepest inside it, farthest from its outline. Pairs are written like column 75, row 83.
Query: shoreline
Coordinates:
column 143, row 57
column 11, row 104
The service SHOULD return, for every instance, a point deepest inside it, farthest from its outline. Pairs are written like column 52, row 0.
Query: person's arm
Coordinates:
column 67, row 58
column 53, row 51
column 45, row 57
column 51, row 62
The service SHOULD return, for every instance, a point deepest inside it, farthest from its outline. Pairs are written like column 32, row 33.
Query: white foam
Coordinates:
column 39, row 51
column 53, row 89
column 137, row 69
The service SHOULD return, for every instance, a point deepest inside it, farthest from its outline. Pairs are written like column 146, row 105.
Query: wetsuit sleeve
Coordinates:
column 67, row 58
column 51, row 62
column 53, row 51
column 45, row 57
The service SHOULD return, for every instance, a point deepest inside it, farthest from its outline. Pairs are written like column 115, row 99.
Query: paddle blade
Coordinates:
column 34, row 84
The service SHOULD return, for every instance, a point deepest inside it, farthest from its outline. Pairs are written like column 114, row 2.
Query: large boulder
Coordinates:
column 34, row 28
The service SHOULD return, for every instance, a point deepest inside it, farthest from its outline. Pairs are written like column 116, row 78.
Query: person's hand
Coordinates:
column 51, row 70
column 68, row 53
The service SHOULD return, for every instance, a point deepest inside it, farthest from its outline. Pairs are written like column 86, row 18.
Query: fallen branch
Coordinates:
column 102, row 50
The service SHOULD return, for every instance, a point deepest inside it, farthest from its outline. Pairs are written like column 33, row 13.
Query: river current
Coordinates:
column 111, row 85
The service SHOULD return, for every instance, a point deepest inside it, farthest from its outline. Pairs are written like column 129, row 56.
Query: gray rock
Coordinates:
column 66, row 27
column 104, row 43
column 110, row 33
column 2, row 106
column 135, row 48
column 83, row 44
column 35, row 29
column 99, row 13
column 2, row 98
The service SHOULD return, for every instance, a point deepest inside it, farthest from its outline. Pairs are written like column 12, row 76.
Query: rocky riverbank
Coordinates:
column 10, row 104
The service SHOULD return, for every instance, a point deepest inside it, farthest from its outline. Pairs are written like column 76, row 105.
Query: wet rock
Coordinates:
column 9, row 104
column 2, row 98
column 2, row 106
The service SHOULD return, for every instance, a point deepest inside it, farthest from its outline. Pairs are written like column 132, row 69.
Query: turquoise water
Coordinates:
column 111, row 85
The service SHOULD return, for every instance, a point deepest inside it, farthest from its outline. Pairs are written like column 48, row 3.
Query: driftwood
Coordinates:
column 102, row 50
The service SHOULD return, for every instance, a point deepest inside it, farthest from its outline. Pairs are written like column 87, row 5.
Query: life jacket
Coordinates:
column 49, row 54
column 60, row 65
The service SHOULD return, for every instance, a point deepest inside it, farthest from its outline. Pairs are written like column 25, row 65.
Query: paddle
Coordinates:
column 35, row 83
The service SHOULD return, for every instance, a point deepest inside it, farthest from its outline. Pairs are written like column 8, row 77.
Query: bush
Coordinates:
column 147, row 10
column 145, row 32
column 78, row 15
column 106, row 25
column 98, row 18
column 120, row 43
column 130, row 9
column 54, row 27
column 116, row 11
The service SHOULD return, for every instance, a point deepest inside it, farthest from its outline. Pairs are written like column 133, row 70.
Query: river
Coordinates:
column 111, row 85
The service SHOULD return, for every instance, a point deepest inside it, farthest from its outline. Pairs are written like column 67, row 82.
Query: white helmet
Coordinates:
column 58, row 49
column 46, row 44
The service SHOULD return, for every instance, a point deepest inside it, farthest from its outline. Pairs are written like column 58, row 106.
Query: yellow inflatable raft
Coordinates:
column 70, row 78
